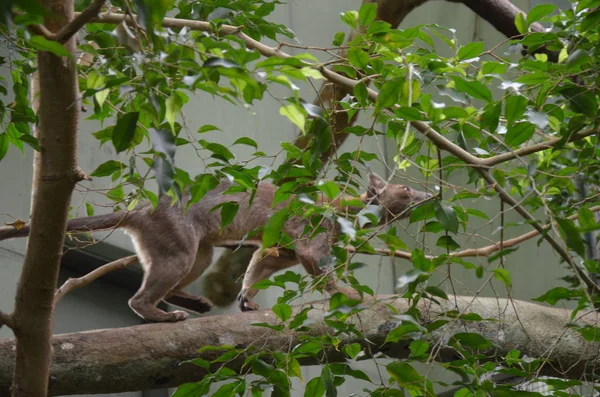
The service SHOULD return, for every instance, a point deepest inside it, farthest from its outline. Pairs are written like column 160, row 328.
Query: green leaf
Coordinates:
column 521, row 23
column 294, row 113
column 274, row 228
column 591, row 20
column 571, row 235
column 327, row 376
column 367, row 13
column 219, row 151
column 388, row 95
column 556, row 294
column 338, row 39
column 315, row 388
column 516, row 105
column 43, row 44
column 587, row 220
column 191, row 390
column 540, row 11
column 471, row 340
column 228, row 212
column 448, row 243
column 246, row 141
column 471, row 50
column 418, row 348
column 174, row 103
column 589, row 333
column 405, row 375
column 519, row 133
column 283, row 311
column 108, row 168
column 361, row 94
column 331, row 189
column 491, row 116
column 350, row 18
column 407, row 113
column 446, row 215
column 124, row 131
column 207, row 127
column 581, row 100
column 4, row 143
column 352, row 350
column 473, row 88
column 436, row 291
column 503, row 275
column 358, row 58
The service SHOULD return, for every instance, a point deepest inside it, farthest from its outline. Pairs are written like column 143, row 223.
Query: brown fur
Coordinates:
column 176, row 247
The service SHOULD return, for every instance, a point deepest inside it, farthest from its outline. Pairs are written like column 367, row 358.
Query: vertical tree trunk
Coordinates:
column 55, row 175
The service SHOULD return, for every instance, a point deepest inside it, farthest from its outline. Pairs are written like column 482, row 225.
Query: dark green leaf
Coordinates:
column 446, row 215
column 108, row 168
column 556, row 294
column 246, row 141
column 327, row 376
column 474, row 89
column 124, row 131
column 228, row 212
column 471, row 340
column 581, row 100
column 519, row 133
column 4, row 143
column 571, row 235
column 516, row 105
column 274, row 228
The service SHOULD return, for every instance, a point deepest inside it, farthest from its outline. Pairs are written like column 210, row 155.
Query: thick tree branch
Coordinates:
column 149, row 356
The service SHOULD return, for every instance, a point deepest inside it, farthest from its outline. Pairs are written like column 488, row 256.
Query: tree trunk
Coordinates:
column 54, row 178
column 148, row 356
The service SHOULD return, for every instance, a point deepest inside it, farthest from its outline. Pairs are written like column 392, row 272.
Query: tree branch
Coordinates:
column 6, row 319
column 79, row 21
column 138, row 358
column 74, row 283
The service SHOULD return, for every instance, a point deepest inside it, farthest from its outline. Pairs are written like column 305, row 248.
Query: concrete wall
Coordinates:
column 315, row 23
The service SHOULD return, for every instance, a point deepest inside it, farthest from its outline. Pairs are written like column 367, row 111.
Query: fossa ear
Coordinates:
column 376, row 183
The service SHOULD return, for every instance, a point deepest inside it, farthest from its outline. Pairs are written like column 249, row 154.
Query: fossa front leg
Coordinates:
column 261, row 268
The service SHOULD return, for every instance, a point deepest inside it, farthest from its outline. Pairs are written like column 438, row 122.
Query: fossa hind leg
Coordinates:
column 178, row 297
column 166, row 265
column 260, row 268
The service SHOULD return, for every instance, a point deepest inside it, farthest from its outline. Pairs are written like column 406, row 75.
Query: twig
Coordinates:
column 81, row 19
column 74, row 283
column 6, row 319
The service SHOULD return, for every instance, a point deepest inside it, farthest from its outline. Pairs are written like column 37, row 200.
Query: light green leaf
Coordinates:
column 294, row 113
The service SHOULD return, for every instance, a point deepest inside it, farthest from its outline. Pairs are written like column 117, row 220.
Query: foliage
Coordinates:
column 139, row 98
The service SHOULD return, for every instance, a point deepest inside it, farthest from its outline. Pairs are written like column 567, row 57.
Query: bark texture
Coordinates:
column 149, row 356
column 53, row 181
